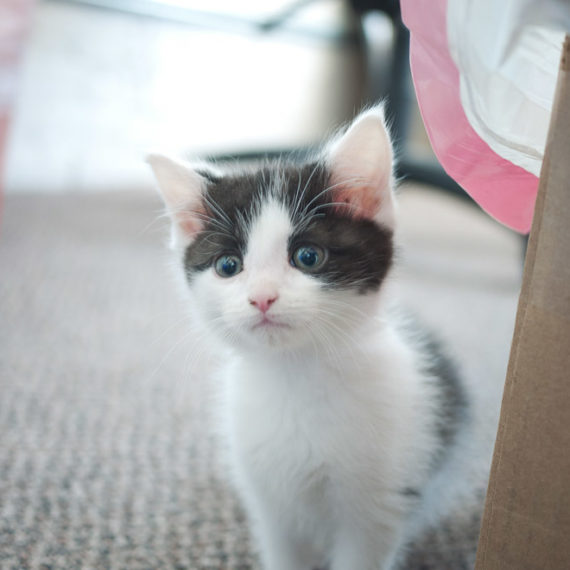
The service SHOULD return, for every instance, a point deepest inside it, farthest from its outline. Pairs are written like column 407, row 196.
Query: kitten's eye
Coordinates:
column 308, row 258
column 228, row 265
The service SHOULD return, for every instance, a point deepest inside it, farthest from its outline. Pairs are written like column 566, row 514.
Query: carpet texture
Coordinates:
column 108, row 457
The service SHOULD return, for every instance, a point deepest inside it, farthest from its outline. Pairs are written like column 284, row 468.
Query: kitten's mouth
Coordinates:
column 269, row 323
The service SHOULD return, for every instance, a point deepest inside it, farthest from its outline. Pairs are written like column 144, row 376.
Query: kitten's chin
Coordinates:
column 269, row 336
column 273, row 336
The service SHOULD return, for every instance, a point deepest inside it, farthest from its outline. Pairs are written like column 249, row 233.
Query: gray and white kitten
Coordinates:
column 341, row 423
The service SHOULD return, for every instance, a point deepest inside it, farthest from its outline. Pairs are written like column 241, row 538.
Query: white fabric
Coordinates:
column 508, row 53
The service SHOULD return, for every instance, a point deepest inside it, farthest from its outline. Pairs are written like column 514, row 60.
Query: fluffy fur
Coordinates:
column 342, row 418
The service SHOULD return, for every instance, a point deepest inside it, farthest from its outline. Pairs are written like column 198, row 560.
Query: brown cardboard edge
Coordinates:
column 489, row 512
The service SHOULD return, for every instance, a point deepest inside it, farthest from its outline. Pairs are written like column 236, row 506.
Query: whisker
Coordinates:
column 158, row 217
column 359, row 179
column 317, row 166
column 186, row 318
column 217, row 210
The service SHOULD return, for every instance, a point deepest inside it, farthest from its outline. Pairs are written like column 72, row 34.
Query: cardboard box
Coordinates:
column 526, row 524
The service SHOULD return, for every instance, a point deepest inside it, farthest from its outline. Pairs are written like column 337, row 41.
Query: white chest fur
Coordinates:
column 313, row 439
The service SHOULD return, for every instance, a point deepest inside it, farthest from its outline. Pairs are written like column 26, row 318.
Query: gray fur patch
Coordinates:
column 453, row 410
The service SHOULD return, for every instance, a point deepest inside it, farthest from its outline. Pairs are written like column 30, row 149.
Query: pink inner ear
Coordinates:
column 189, row 225
column 190, row 220
column 363, row 199
column 361, row 166
column 361, row 192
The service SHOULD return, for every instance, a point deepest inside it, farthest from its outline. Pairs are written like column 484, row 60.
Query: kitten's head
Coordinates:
column 286, row 256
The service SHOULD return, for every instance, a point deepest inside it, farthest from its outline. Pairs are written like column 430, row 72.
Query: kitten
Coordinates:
column 340, row 419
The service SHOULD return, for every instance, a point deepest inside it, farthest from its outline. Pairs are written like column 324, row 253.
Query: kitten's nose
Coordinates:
column 263, row 302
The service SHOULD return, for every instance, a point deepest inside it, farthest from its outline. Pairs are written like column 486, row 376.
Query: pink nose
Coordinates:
column 263, row 302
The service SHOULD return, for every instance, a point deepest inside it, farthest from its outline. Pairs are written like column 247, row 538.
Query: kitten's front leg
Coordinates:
column 281, row 551
column 367, row 547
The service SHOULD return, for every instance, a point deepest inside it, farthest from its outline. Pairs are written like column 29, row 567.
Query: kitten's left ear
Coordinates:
column 360, row 162
column 182, row 189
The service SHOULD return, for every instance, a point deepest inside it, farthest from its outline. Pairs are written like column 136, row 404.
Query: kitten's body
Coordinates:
column 334, row 454
column 339, row 421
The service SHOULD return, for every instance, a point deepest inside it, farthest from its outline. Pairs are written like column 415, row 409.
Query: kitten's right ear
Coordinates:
column 182, row 189
column 360, row 162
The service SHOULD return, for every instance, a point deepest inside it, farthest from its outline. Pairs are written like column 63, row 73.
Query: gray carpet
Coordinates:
column 107, row 453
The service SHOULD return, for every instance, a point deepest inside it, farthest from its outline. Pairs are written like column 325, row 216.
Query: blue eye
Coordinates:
column 228, row 265
column 308, row 258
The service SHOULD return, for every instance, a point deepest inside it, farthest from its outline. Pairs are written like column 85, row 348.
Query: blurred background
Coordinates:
column 107, row 452
column 102, row 82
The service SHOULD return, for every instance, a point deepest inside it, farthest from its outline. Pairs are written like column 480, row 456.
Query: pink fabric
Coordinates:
column 14, row 22
column 503, row 190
